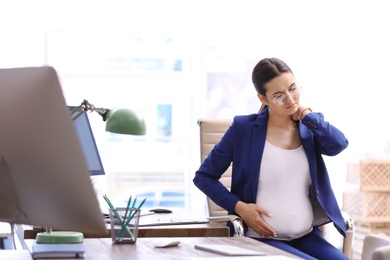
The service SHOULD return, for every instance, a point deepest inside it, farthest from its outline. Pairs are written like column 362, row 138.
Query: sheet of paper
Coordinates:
column 265, row 257
column 15, row 255
column 228, row 250
column 5, row 229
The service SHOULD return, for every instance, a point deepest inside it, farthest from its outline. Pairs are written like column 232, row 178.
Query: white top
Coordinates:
column 283, row 190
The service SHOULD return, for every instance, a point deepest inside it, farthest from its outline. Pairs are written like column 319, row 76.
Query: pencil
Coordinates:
column 124, row 227
column 140, row 205
column 127, row 208
column 132, row 216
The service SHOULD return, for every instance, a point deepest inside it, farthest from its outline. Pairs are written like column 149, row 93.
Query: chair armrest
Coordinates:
column 347, row 220
column 349, row 231
column 236, row 221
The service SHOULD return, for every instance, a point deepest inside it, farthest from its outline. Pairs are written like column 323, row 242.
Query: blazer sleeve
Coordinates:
column 330, row 140
column 214, row 165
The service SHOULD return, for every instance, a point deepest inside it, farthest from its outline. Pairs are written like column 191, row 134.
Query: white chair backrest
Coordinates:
column 211, row 132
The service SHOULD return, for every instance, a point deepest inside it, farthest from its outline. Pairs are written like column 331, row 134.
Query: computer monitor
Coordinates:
column 44, row 178
column 88, row 144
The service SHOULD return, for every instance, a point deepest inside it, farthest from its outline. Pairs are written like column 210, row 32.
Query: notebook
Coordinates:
column 228, row 250
column 57, row 250
column 176, row 217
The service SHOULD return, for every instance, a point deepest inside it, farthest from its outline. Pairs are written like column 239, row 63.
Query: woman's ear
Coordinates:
column 262, row 99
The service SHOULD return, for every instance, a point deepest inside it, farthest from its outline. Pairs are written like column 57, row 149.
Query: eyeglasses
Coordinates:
column 294, row 93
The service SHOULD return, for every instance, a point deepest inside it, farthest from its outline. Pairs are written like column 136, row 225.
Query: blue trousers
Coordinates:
column 310, row 246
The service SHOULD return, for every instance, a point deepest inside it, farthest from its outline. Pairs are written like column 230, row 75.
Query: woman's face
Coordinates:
column 282, row 94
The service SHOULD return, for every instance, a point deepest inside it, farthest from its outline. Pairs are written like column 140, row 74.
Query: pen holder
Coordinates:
column 124, row 225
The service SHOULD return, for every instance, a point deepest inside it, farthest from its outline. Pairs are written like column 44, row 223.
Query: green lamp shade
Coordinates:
column 125, row 121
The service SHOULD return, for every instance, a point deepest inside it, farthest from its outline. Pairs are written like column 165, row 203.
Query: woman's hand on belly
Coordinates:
column 252, row 216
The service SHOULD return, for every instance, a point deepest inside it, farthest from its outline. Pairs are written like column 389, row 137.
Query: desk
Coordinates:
column 143, row 249
column 190, row 230
column 178, row 230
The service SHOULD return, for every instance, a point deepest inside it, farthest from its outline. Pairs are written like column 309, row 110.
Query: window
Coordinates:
column 151, row 77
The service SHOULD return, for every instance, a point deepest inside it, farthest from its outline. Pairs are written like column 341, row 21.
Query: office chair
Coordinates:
column 376, row 247
column 211, row 132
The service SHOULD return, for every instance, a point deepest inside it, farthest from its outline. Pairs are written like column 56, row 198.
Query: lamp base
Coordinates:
column 60, row 237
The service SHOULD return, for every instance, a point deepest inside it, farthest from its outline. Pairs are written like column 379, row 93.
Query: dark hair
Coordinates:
column 266, row 70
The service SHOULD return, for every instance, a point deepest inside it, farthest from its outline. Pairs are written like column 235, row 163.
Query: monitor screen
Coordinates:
column 44, row 178
column 88, row 144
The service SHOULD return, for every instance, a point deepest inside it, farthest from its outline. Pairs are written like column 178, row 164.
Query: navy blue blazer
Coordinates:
column 243, row 145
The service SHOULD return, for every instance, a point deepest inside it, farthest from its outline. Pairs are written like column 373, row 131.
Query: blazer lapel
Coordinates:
column 259, row 132
column 308, row 146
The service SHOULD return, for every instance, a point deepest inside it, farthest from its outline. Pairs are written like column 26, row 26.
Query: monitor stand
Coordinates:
column 6, row 243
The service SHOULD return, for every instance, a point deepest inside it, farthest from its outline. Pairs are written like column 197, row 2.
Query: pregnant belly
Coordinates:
column 292, row 220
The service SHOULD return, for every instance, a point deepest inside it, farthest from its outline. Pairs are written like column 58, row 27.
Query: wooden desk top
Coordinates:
column 143, row 249
column 179, row 230
column 190, row 230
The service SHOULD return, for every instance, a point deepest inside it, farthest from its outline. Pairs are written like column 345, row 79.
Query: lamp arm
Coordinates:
column 86, row 106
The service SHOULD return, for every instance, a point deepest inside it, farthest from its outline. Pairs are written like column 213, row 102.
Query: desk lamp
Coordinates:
column 121, row 121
